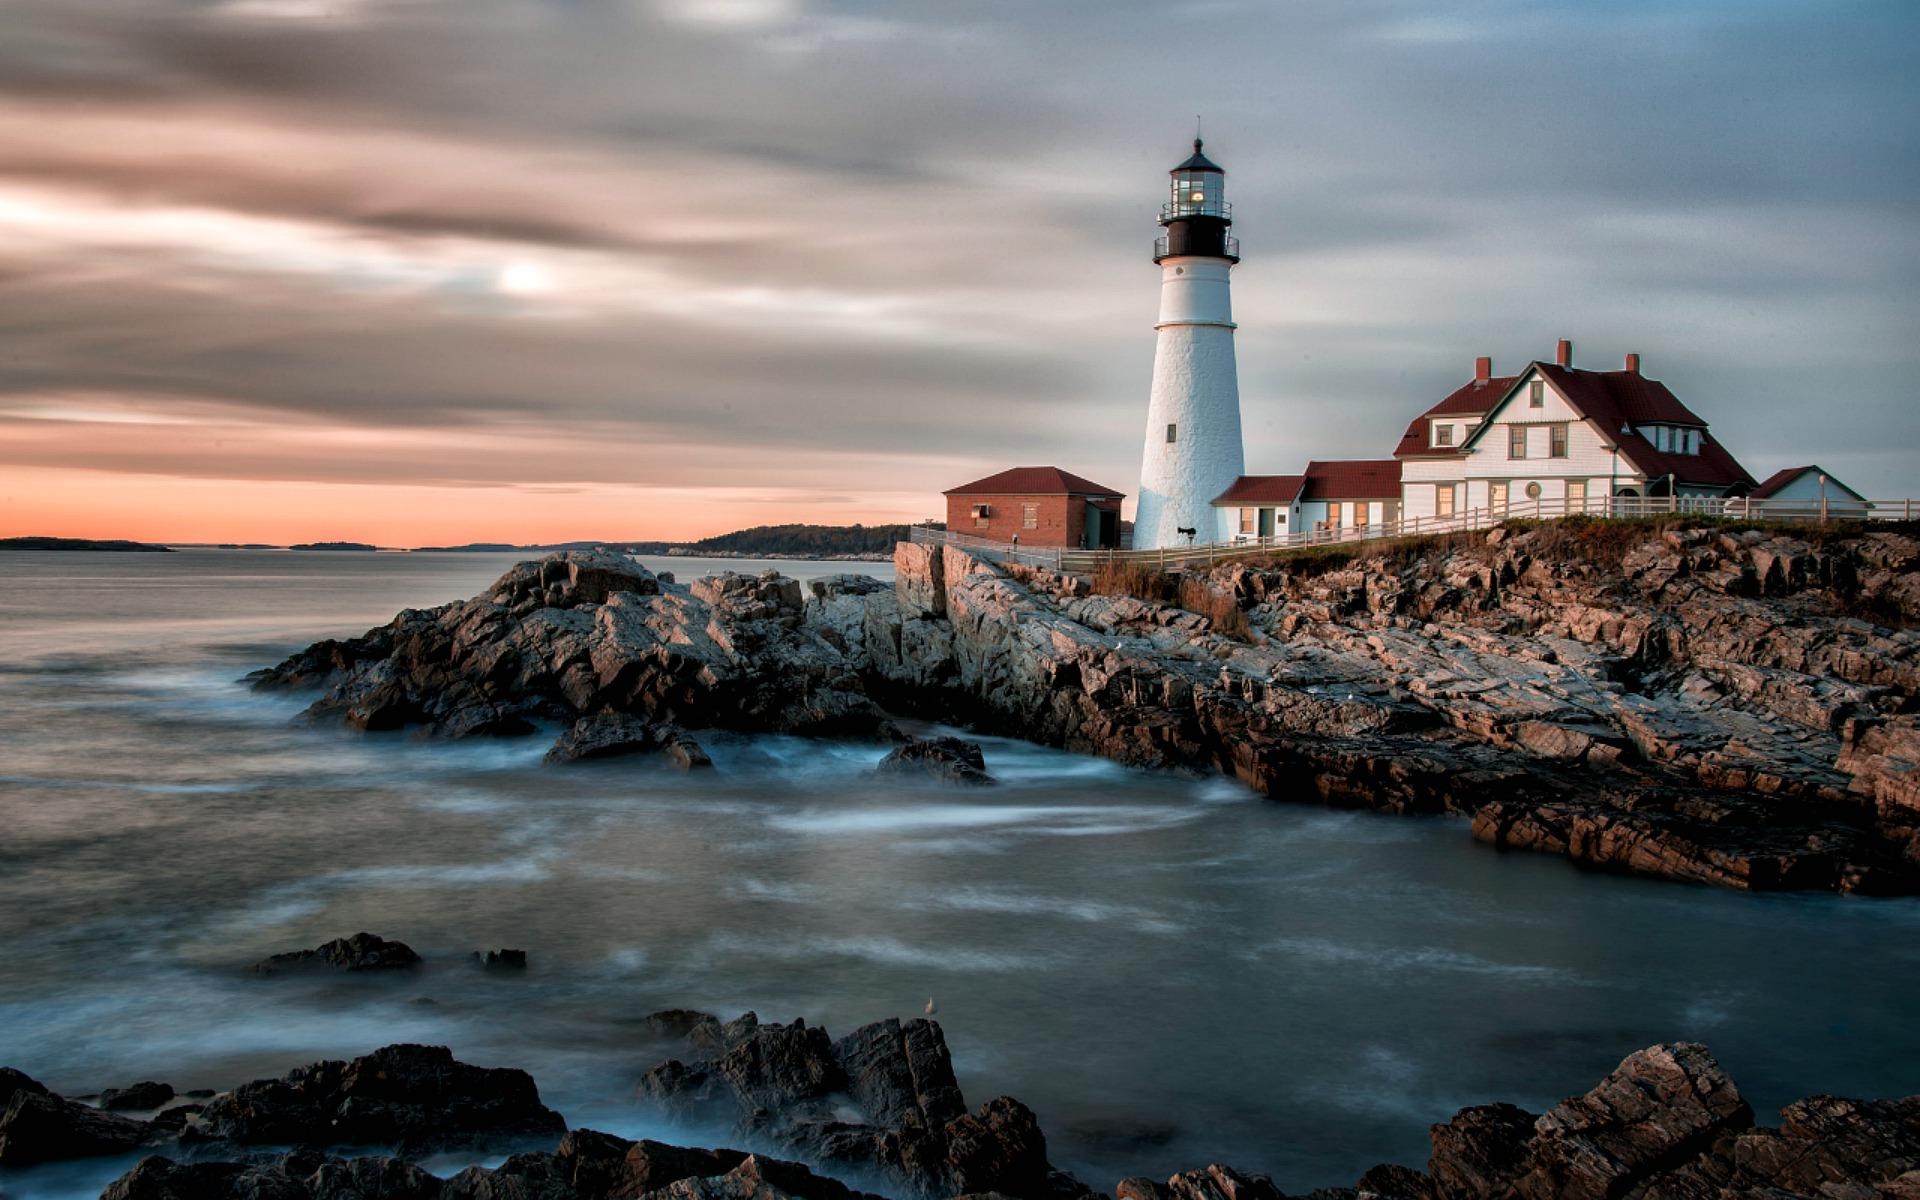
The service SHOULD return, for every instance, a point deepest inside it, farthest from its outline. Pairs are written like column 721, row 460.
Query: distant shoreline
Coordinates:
column 97, row 545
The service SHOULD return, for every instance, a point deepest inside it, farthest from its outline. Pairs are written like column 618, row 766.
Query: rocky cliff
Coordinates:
column 1734, row 707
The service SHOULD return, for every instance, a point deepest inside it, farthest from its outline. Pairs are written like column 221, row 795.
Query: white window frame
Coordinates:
column 1030, row 515
column 1443, row 499
column 1442, row 433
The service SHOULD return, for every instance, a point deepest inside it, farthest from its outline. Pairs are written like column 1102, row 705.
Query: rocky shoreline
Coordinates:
column 1716, row 705
column 878, row 1113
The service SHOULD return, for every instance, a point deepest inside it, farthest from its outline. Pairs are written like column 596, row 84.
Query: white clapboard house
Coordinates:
column 1559, row 438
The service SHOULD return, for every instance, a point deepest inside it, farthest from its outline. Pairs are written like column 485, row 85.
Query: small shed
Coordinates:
column 1038, row 506
column 1810, row 491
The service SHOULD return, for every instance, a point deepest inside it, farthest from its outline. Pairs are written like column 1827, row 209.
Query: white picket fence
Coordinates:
column 1080, row 561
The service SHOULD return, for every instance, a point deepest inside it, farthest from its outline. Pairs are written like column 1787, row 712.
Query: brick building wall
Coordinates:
column 1056, row 520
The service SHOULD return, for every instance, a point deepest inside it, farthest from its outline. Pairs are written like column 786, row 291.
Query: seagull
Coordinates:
column 930, row 1010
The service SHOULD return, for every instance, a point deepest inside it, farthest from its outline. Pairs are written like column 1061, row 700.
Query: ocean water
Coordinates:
column 1170, row 970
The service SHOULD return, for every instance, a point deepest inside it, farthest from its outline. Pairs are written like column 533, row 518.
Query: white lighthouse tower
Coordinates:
column 1193, row 420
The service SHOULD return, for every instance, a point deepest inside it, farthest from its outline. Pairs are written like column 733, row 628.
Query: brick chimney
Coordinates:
column 1563, row 353
column 1483, row 368
column 1633, row 364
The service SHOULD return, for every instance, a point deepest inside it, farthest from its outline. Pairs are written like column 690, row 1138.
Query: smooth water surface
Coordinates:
column 1170, row 971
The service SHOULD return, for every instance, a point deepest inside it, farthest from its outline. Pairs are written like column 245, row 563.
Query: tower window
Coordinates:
column 1173, row 433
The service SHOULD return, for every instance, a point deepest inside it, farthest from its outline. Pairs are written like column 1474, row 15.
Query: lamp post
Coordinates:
column 1823, row 499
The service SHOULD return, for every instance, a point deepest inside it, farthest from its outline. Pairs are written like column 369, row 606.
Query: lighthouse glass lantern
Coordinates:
column 1197, row 216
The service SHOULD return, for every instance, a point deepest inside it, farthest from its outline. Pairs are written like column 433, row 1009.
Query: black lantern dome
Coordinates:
column 1197, row 216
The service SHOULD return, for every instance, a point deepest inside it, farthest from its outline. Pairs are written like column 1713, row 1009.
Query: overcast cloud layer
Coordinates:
column 432, row 270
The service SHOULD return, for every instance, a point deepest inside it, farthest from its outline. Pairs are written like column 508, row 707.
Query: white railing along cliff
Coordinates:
column 1080, row 561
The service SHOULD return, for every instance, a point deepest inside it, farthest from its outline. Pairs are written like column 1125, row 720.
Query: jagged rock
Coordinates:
column 501, row 960
column 792, row 1084
column 949, row 758
column 1659, row 1107
column 135, row 1097
column 38, row 1126
column 416, row 1098
column 900, row 1075
column 1829, row 1146
column 1480, row 1152
column 361, row 952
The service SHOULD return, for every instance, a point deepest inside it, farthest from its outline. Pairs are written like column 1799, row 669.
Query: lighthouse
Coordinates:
column 1193, row 451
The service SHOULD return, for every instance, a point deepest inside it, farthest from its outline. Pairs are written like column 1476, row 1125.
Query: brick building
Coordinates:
column 1039, row 506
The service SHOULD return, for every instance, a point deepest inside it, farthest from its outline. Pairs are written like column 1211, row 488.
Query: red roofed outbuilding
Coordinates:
column 1038, row 506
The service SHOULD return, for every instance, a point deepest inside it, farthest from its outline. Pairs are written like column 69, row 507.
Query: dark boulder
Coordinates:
column 297, row 1176
column 416, row 1098
column 164, row 1179
column 39, row 1127
column 361, row 952
column 508, row 961
column 609, row 735
column 589, row 1165
column 952, row 759
column 12, row 1081
column 136, row 1097
column 679, row 1023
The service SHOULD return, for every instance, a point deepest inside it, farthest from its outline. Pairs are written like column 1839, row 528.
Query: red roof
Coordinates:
column 1254, row 490
column 1032, row 481
column 1611, row 399
column 1471, row 399
column 1356, row 479
column 1786, row 475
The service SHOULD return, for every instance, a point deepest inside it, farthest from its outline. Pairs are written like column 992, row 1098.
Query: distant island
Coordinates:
column 58, row 543
column 361, row 547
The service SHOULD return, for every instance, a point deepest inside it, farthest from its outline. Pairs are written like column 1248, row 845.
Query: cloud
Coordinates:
column 782, row 248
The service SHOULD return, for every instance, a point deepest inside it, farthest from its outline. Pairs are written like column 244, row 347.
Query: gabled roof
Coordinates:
column 1471, row 399
column 1251, row 490
column 1033, row 481
column 1615, row 399
column 1786, row 475
column 1354, row 479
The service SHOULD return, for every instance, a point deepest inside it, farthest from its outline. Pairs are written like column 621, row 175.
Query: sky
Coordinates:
column 432, row 271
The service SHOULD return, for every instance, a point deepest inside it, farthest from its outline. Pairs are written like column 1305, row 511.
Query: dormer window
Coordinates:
column 1442, row 434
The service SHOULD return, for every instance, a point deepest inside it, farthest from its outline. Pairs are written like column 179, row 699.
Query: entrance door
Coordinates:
column 1266, row 522
column 1497, row 496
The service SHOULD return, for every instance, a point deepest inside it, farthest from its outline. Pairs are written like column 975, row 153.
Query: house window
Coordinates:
column 1557, row 441
column 1173, row 433
column 1029, row 516
column 1537, row 394
column 1661, row 434
column 1362, row 513
column 1497, row 495
column 1442, row 499
column 1693, row 441
column 1516, row 441
column 980, row 514
column 1333, row 515
column 1249, row 520
column 1442, row 434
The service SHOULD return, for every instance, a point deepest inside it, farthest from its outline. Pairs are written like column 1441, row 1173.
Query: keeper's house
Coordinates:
column 1037, row 506
column 1560, row 435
